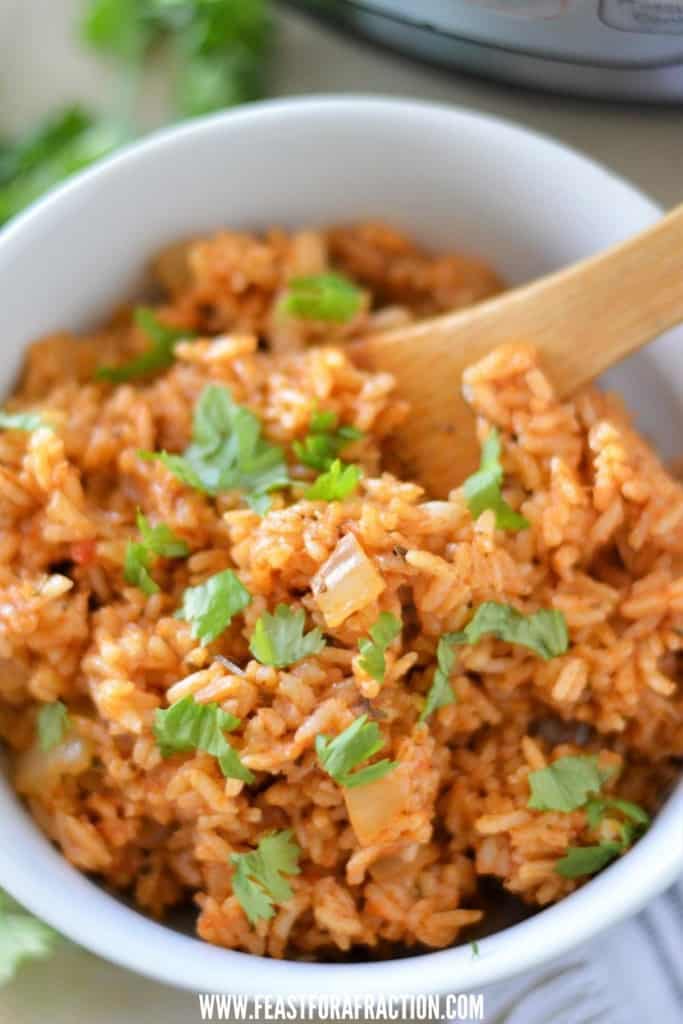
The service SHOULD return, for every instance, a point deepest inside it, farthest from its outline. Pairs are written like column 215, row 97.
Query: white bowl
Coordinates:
column 451, row 178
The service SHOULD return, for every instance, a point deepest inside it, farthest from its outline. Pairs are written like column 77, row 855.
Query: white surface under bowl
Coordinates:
column 452, row 179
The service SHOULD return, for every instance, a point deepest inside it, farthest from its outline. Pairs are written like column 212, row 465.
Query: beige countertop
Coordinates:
column 41, row 66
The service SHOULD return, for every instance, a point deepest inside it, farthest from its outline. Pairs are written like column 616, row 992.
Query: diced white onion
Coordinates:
column 39, row 771
column 347, row 582
column 374, row 808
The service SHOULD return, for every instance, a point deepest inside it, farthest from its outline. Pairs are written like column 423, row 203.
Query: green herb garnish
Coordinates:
column 279, row 639
column 331, row 297
column 52, row 723
column 227, row 451
column 566, row 784
column 339, row 755
column 572, row 783
column 581, row 860
column 336, row 484
column 258, row 881
column 324, row 441
column 372, row 650
column 586, row 860
column 187, row 725
column 158, row 357
column 544, row 632
column 210, row 606
column 137, row 564
column 482, row 490
column 161, row 540
column 157, row 541
column 441, row 692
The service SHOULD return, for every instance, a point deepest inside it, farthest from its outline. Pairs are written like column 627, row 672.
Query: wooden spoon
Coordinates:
column 582, row 320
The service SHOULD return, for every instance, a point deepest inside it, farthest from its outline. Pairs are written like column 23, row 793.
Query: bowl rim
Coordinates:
column 109, row 929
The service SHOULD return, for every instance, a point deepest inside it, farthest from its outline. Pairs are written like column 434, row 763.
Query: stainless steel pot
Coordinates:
column 624, row 49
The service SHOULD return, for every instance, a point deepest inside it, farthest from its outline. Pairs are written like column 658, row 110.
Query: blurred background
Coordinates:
column 80, row 77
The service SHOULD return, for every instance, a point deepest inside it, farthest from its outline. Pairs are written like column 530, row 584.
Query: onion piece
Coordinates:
column 38, row 771
column 374, row 809
column 346, row 582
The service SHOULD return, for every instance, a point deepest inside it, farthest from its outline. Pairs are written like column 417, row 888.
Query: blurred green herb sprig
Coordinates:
column 220, row 50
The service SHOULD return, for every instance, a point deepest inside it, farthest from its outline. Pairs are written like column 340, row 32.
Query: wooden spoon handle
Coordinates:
column 582, row 319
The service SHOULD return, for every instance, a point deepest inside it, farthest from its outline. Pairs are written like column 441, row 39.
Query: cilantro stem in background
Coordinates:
column 221, row 52
column 62, row 145
column 22, row 937
column 220, row 46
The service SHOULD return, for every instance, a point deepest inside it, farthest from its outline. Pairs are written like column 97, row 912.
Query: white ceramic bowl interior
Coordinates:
column 452, row 179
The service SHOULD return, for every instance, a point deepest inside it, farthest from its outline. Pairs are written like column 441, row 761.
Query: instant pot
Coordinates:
column 623, row 49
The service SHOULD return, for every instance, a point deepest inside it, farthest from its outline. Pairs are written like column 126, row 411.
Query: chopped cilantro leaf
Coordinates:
column 136, row 568
column 383, row 633
column 160, row 539
column 62, row 144
column 187, row 725
column 53, row 723
column 211, row 605
column 324, row 441
column 441, row 692
column 336, row 484
column 323, row 421
column 279, row 639
column 342, row 753
column 331, row 297
column 258, row 881
column 544, row 632
column 482, row 490
column 566, row 784
column 637, row 820
column 157, row 541
column 586, row 860
column 227, row 451
column 598, row 808
column 158, row 357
